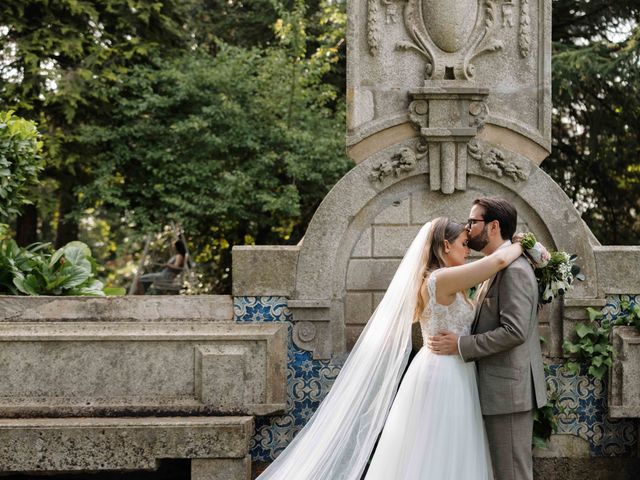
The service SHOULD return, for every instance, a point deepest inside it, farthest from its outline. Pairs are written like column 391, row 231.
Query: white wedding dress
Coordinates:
column 434, row 430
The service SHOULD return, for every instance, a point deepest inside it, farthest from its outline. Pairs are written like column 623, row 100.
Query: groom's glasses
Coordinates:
column 472, row 221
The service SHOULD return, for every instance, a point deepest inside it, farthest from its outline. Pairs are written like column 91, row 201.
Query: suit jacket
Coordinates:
column 505, row 343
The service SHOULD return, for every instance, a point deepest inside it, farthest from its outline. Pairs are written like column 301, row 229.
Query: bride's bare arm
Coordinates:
column 451, row 280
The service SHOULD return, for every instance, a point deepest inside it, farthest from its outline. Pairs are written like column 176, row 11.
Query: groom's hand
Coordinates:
column 445, row 343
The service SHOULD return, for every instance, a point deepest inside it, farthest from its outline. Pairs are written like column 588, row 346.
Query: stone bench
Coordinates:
column 119, row 383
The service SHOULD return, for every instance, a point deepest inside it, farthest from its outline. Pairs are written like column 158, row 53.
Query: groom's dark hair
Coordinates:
column 496, row 208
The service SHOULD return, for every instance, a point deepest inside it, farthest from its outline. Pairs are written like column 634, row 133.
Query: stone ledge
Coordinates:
column 264, row 270
column 130, row 368
column 617, row 269
column 93, row 444
column 211, row 308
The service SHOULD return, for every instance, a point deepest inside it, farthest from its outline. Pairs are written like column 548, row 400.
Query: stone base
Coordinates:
column 221, row 469
column 217, row 446
column 594, row 468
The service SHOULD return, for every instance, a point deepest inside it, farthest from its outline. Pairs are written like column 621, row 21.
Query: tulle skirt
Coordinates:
column 434, row 430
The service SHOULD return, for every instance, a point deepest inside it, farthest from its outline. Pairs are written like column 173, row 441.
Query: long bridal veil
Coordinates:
column 338, row 439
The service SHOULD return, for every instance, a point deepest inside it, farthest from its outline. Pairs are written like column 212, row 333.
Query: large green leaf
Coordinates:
column 94, row 288
column 582, row 329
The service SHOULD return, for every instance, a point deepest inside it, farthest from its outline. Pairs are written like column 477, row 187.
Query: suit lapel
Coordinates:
column 483, row 294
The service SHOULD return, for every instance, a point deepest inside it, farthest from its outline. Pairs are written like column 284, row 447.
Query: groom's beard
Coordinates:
column 478, row 242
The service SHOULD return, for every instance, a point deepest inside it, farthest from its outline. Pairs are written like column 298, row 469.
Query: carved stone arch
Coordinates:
column 324, row 286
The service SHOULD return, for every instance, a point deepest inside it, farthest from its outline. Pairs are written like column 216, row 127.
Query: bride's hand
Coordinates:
column 517, row 237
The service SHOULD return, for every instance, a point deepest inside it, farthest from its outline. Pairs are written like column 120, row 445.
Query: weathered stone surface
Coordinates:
column 385, row 60
column 353, row 333
column 92, row 444
column 263, row 270
column 624, row 382
column 221, row 469
column 374, row 274
column 210, row 308
column 564, row 445
column 102, row 368
column 364, row 246
column 398, row 213
column 618, row 269
column 358, row 308
column 393, row 241
column 593, row 468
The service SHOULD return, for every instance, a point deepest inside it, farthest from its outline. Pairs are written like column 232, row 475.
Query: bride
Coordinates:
column 433, row 427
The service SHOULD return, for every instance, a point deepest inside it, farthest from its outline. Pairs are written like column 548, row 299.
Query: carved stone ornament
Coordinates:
column 403, row 161
column 493, row 161
column 507, row 14
column 450, row 34
column 372, row 26
column 390, row 12
column 443, row 136
column 311, row 330
column 306, row 331
column 524, row 37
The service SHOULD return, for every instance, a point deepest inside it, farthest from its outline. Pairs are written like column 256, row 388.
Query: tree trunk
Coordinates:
column 67, row 229
column 27, row 226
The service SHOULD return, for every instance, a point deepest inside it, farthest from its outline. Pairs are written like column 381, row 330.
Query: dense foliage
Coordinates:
column 222, row 146
column 20, row 162
column 596, row 97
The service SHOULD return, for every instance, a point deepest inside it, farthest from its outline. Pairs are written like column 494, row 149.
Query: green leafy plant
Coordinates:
column 38, row 270
column 545, row 421
column 20, row 161
column 629, row 315
column 593, row 347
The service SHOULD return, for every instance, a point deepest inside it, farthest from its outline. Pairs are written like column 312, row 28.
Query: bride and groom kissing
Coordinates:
column 464, row 408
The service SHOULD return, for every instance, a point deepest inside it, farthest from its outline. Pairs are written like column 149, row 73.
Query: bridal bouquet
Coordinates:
column 555, row 271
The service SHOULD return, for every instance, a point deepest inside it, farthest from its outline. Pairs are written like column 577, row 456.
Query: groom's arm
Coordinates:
column 516, row 298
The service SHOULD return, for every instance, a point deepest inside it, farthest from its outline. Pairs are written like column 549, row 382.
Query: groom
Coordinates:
column 504, row 343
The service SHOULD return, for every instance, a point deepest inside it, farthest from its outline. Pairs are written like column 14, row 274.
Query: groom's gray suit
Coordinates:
column 505, row 345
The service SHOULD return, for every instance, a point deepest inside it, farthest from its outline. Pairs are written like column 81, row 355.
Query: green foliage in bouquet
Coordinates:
column 528, row 241
column 38, row 270
column 593, row 347
column 555, row 270
column 20, row 161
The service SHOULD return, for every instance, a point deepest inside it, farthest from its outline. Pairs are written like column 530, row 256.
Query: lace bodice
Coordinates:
column 456, row 317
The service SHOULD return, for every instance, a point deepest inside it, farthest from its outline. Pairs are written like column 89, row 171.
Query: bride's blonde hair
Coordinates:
column 433, row 255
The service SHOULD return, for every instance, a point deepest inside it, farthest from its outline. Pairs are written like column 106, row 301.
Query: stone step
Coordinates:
column 217, row 446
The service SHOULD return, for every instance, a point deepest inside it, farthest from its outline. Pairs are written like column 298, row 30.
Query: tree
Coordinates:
column 596, row 95
column 56, row 60
column 237, row 148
